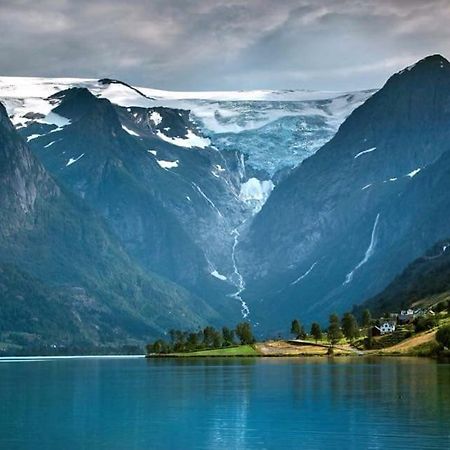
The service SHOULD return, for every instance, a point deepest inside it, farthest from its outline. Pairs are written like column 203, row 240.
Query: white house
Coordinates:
column 386, row 327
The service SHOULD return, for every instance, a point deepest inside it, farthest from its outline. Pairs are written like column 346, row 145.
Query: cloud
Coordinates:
column 222, row 44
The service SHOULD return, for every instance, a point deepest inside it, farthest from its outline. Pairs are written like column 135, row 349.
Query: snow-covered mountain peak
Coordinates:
column 124, row 94
column 275, row 129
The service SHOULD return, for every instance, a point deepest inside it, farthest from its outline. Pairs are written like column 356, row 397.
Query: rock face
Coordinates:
column 426, row 276
column 22, row 180
column 349, row 218
column 58, row 257
column 167, row 195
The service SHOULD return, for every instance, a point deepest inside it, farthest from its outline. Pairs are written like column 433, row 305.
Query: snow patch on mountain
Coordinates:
column 133, row 133
column 167, row 164
column 55, row 119
column 413, row 173
column 370, row 150
column 191, row 140
column 33, row 136
column 74, row 160
column 217, row 170
column 49, row 144
column 156, row 117
column 218, row 275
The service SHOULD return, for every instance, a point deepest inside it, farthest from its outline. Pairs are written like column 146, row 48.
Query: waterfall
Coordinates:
column 240, row 284
column 369, row 252
column 300, row 278
column 208, row 200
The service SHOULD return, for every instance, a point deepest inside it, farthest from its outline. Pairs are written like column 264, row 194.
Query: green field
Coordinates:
column 241, row 350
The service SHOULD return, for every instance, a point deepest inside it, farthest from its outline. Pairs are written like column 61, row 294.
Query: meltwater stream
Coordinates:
column 369, row 252
column 240, row 284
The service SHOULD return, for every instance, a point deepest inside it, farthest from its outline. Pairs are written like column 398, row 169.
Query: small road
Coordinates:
column 315, row 344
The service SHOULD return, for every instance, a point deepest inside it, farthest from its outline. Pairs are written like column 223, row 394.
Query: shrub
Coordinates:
column 443, row 336
column 424, row 323
column 441, row 306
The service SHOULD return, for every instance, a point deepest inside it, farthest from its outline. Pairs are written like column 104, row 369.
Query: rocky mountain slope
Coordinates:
column 162, row 177
column 426, row 276
column 371, row 200
column 151, row 192
column 57, row 255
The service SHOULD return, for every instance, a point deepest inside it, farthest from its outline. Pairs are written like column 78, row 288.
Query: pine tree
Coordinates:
column 316, row 331
column 244, row 333
column 217, row 339
column 228, row 336
column 366, row 318
column 296, row 328
column 350, row 326
column 334, row 330
column 369, row 340
column 208, row 336
column 192, row 341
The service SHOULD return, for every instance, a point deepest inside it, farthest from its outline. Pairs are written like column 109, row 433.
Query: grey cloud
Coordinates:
column 222, row 44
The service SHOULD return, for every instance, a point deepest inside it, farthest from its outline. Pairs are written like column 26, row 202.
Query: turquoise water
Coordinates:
column 270, row 403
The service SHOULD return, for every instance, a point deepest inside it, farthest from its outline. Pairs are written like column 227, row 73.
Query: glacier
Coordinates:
column 274, row 129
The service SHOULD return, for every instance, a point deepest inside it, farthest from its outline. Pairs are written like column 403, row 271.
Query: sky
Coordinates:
column 222, row 44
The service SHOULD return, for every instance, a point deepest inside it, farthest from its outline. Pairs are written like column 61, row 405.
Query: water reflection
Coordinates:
column 225, row 404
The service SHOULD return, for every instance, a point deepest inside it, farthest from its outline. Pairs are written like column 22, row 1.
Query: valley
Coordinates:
column 249, row 205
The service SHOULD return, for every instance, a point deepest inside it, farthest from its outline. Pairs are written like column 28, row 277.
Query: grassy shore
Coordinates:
column 240, row 350
column 260, row 349
column 417, row 344
column 421, row 344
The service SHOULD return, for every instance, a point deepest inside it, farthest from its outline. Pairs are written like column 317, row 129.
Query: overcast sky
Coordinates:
column 222, row 44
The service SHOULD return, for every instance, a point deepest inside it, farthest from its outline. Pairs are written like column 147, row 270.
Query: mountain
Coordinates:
column 162, row 177
column 353, row 215
column 187, row 208
column 426, row 276
column 163, row 191
column 62, row 268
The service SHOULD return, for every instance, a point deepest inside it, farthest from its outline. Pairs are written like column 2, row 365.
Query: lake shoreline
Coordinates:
column 306, row 356
column 285, row 349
